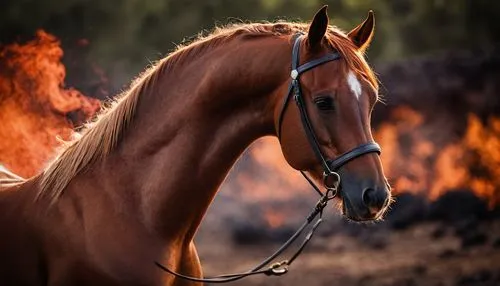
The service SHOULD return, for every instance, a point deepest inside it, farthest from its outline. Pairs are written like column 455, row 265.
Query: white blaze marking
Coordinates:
column 354, row 84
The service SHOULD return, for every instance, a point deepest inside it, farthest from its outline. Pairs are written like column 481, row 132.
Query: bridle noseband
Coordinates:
column 330, row 168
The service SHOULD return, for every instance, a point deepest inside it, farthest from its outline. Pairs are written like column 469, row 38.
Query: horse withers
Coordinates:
column 135, row 187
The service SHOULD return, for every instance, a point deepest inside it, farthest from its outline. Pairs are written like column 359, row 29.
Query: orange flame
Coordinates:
column 34, row 104
column 408, row 166
column 420, row 165
column 480, row 150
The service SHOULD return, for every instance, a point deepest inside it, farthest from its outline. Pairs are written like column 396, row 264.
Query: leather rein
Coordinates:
column 331, row 179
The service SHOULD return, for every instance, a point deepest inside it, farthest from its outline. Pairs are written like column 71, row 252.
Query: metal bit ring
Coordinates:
column 331, row 181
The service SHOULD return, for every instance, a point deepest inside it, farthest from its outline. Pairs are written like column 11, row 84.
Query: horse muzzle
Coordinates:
column 363, row 200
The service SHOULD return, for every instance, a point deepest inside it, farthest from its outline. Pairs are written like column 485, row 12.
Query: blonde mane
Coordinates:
column 103, row 134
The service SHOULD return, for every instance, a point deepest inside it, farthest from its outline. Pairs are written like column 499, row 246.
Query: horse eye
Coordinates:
column 324, row 103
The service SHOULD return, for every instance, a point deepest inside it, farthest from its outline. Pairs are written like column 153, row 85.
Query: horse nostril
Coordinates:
column 368, row 196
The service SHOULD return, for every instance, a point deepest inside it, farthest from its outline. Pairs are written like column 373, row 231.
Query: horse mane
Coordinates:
column 101, row 136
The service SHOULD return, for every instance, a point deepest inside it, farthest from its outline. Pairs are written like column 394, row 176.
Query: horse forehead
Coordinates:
column 354, row 84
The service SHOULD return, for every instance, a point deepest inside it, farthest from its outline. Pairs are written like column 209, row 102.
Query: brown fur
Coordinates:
column 135, row 187
column 103, row 134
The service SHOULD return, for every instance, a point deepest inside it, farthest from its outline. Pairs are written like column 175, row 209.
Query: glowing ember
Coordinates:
column 34, row 105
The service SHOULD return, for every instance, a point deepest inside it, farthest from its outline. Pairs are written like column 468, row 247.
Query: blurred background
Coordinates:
column 439, row 67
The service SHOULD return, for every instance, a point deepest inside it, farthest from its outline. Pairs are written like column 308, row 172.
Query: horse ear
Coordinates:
column 318, row 28
column 362, row 35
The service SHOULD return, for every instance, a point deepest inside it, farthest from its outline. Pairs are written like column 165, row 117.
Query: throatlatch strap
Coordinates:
column 282, row 112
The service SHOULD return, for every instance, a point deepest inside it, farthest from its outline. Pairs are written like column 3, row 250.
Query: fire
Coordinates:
column 408, row 165
column 480, row 152
column 417, row 163
column 34, row 105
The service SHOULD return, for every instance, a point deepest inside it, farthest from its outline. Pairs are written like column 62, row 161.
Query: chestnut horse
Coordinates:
column 134, row 188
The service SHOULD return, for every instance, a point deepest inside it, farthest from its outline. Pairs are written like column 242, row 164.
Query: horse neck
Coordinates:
column 192, row 126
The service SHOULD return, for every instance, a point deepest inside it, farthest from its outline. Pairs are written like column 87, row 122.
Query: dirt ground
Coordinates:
column 424, row 254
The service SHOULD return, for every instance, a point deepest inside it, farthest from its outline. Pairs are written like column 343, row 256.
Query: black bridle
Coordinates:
column 331, row 178
column 330, row 167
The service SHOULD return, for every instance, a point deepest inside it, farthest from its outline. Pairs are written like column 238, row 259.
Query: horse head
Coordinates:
column 328, row 131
